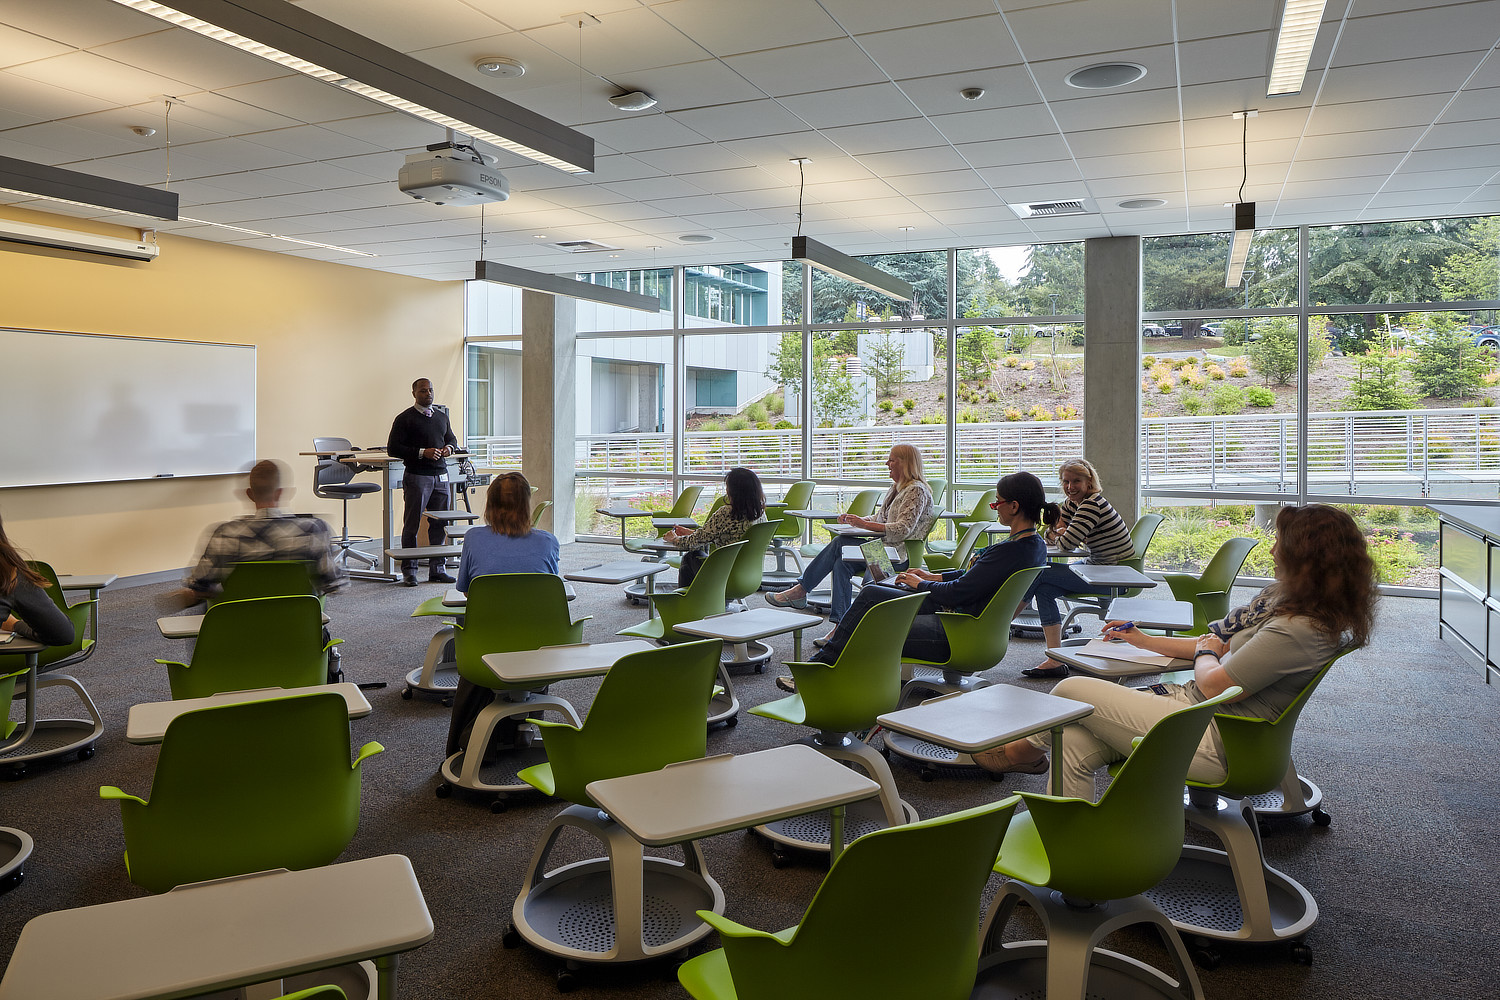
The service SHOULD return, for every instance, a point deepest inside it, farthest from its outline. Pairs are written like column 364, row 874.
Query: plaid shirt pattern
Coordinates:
column 268, row 534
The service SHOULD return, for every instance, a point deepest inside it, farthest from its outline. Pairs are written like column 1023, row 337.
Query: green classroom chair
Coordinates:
column 1209, row 592
column 245, row 788
column 1082, row 866
column 844, row 947
column 52, row 657
column 256, row 643
column 647, row 715
column 838, row 700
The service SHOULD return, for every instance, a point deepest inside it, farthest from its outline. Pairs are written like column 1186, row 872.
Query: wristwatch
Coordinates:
column 1204, row 652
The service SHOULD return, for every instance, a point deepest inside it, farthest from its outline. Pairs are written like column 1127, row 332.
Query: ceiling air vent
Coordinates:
column 583, row 246
column 1082, row 206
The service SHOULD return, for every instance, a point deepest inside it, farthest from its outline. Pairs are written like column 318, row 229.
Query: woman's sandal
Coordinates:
column 774, row 599
column 1046, row 673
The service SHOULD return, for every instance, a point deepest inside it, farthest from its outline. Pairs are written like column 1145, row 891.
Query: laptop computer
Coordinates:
column 879, row 563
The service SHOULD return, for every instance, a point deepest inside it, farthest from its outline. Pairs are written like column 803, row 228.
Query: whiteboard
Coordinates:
column 85, row 408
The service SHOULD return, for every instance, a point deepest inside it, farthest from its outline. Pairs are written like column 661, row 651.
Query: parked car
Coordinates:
column 1213, row 329
column 1152, row 330
column 1487, row 336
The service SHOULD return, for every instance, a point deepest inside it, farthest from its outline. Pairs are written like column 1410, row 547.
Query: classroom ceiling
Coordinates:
column 1399, row 118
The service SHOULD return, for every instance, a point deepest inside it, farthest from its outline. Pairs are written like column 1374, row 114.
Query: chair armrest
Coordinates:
column 1184, row 587
column 111, row 792
column 173, row 663
column 728, row 928
column 331, row 643
column 368, row 750
column 811, row 676
column 549, row 724
column 580, row 621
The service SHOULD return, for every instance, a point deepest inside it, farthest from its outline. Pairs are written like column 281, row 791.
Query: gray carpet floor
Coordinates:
column 1402, row 738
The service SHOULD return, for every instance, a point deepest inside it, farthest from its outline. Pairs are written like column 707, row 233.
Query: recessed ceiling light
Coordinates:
column 1104, row 76
column 1137, row 203
column 539, row 236
column 501, row 66
column 695, row 238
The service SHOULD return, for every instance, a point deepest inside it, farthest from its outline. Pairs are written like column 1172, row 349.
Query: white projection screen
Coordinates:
column 91, row 409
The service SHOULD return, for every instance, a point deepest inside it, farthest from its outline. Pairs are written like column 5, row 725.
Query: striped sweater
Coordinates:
column 1094, row 525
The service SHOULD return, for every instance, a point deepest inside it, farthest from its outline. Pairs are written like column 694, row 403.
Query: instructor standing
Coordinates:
column 422, row 439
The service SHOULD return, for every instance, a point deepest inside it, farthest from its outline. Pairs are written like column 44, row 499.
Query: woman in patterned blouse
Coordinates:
column 745, row 504
column 905, row 513
column 1088, row 522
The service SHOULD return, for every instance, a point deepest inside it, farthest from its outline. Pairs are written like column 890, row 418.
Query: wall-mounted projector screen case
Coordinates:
column 85, row 408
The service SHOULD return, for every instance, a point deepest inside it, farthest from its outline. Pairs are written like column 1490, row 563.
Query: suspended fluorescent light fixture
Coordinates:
column 1239, row 247
column 290, row 36
column 273, row 236
column 556, row 284
column 1294, row 42
column 826, row 258
column 37, row 180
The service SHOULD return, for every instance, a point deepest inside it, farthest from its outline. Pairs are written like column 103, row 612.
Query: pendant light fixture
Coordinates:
column 1244, row 211
column 807, row 250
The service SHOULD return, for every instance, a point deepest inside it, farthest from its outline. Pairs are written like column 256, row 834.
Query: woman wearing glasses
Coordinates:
column 1088, row 522
column 1021, row 506
column 906, row 513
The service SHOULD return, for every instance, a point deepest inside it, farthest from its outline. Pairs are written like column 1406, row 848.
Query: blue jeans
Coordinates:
column 831, row 562
column 1051, row 585
column 927, row 640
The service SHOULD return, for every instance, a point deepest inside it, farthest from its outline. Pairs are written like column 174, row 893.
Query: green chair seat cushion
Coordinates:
column 1022, row 855
column 788, row 709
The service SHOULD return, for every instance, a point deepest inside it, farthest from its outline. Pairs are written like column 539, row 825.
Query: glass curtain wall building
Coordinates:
column 1354, row 365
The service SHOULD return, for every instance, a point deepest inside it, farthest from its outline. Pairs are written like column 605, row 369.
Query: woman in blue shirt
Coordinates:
column 506, row 542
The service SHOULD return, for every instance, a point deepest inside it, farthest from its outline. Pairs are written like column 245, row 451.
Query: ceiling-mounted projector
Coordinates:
column 452, row 175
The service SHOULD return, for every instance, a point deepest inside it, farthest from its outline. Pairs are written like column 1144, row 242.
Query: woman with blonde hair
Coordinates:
column 1322, row 603
column 905, row 513
column 1088, row 522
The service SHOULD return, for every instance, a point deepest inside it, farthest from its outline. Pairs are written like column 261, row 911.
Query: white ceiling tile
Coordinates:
column 1029, row 149
column 968, row 44
column 802, row 69
column 1430, row 158
column 1122, row 108
column 44, row 100
column 1380, row 164
column 955, row 200
column 17, row 46
column 1003, row 86
column 74, row 143
column 1358, row 143
column 655, row 188
column 406, row 26
column 1021, row 174
column 912, row 161
column 859, row 16
column 1459, row 177
column 690, row 85
column 302, row 98
column 78, row 23
column 1150, row 140
column 731, row 182
column 1466, row 27
column 880, row 102
column 1397, row 78
column 647, row 130
column 1092, row 26
column 625, row 41
column 997, row 123
column 98, row 77
column 936, row 182
column 1460, row 134
column 741, row 120
column 692, row 159
column 775, row 23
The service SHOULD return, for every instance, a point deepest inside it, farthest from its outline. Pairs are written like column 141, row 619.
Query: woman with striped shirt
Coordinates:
column 1088, row 522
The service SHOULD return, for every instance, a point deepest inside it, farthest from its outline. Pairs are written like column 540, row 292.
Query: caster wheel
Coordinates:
column 731, row 722
column 567, row 980
column 444, row 790
column 779, row 859
column 10, row 881
column 1321, row 818
column 498, row 806
column 406, row 693
column 928, row 773
column 1016, row 633
column 448, row 702
column 15, row 773
column 510, row 937
column 996, row 777
column 1301, row 953
column 1206, row 958
column 85, row 753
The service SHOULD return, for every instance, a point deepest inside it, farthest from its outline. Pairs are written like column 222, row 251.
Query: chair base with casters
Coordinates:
column 813, row 831
column 921, row 684
column 1069, row 963
column 1233, row 895
column 462, row 770
column 1295, row 797
column 753, row 654
column 438, row 675
column 724, row 706
column 625, row 907
column 54, row 737
column 15, row 848
column 778, row 578
column 1027, row 625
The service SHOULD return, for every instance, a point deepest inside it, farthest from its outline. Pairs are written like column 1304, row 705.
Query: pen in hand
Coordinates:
column 1122, row 627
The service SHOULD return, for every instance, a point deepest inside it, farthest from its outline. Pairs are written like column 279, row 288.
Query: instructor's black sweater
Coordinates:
column 411, row 432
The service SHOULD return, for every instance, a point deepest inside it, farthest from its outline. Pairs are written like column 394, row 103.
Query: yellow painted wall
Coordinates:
column 337, row 350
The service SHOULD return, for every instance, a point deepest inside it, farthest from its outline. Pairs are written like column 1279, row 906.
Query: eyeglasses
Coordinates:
column 1000, row 503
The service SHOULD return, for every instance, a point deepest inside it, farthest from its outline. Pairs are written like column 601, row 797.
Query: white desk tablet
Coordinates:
column 148, row 721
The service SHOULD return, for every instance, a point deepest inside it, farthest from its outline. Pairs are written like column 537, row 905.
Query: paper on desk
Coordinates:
column 1123, row 651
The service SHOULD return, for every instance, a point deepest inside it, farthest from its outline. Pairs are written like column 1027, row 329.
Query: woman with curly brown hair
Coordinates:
column 1323, row 602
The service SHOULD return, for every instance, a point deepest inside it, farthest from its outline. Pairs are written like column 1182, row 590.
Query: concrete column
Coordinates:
column 1112, row 368
column 549, row 405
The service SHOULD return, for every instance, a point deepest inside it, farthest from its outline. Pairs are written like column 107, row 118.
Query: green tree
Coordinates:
column 786, row 363
column 835, row 402
column 887, row 356
column 1470, row 273
column 1449, row 366
column 1274, row 355
column 1379, row 384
